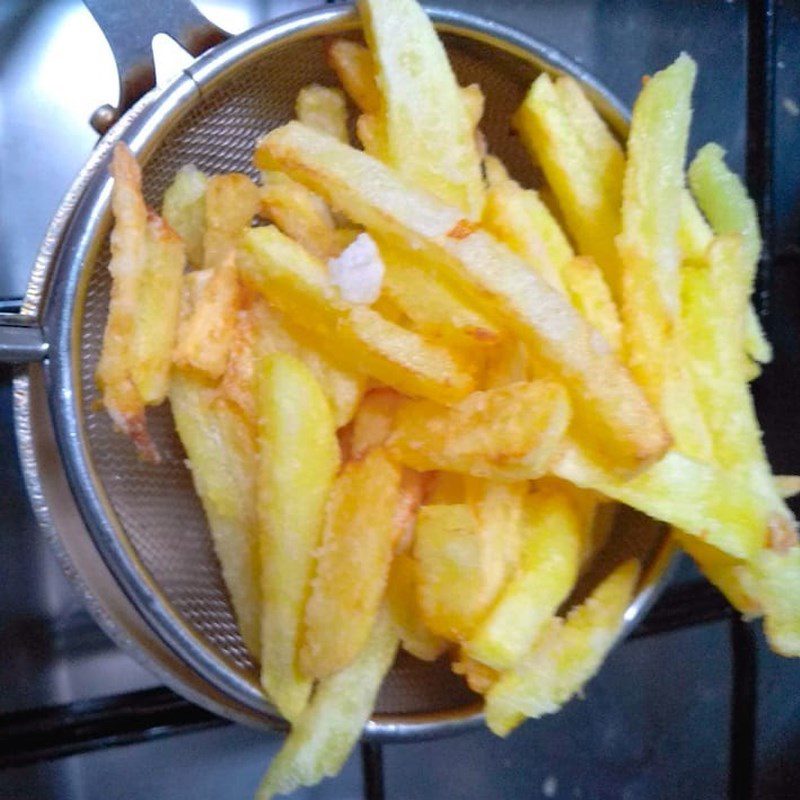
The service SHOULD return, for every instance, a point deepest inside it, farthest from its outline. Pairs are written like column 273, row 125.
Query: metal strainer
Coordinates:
column 132, row 535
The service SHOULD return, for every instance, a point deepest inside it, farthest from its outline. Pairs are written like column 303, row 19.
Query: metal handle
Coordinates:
column 21, row 339
column 130, row 28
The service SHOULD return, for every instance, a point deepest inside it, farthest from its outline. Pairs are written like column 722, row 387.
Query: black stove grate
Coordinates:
column 42, row 734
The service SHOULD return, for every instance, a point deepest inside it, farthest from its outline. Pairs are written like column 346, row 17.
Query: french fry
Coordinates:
column 479, row 677
column 452, row 589
column 510, row 433
column 403, row 605
column 299, row 458
column 787, row 486
column 222, row 459
column 355, row 336
column 565, row 657
column 474, row 103
column 724, row 200
column 157, row 311
column 519, row 219
column 694, row 233
column 205, row 337
column 371, row 132
column 554, row 532
column 586, row 177
column 494, row 171
column 184, row 210
column 776, row 576
column 238, row 383
column 326, row 732
column 299, row 213
column 429, row 133
column 323, row 108
column 355, row 68
column 374, row 421
column 436, row 309
column 357, row 540
column 611, row 411
column 587, row 289
column 701, row 499
column 651, row 255
column 498, row 510
column 129, row 251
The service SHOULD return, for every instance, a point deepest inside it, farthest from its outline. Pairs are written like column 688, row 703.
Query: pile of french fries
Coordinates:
column 413, row 392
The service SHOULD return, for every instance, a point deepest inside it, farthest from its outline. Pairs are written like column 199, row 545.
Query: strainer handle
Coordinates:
column 21, row 339
column 130, row 28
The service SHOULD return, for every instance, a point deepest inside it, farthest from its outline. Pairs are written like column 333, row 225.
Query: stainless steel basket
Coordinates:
column 131, row 535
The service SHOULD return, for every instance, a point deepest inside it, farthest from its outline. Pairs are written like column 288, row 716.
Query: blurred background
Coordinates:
column 694, row 706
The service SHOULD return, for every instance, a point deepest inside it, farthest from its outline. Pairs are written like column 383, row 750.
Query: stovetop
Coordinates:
column 693, row 707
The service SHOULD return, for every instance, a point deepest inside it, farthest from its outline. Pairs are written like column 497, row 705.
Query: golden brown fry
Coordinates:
column 157, row 311
column 128, row 262
column 355, row 336
column 510, row 433
column 355, row 68
column 323, row 108
column 205, row 337
column 479, row 677
column 352, row 563
column 611, row 411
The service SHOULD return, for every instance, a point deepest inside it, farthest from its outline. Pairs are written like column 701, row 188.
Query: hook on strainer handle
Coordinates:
column 130, row 28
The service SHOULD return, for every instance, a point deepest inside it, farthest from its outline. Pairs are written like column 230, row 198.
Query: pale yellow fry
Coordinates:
column 474, row 102
column 299, row 213
column 238, row 383
column 726, row 204
column 403, row 603
column 701, row 499
column 222, row 459
column 121, row 398
column 326, row 732
column 495, row 171
column 694, row 233
column 554, row 533
column 566, row 656
column 435, row 309
column 509, row 433
column 586, row 178
column 205, row 337
column 610, row 408
column 184, row 209
column 787, row 486
column 452, row 587
column 298, row 460
column 518, row 218
column 355, row 68
column 654, row 181
column 587, row 289
column 509, row 362
column 651, row 255
column 478, row 676
column 157, row 311
column 429, row 133
column 776, row 579
column 352, row 563
column 355, row 336
column 323, row 108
